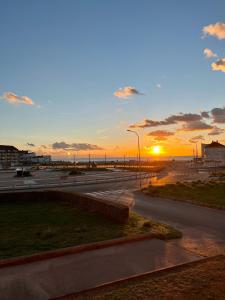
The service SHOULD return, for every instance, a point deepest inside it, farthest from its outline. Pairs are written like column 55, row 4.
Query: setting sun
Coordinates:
column 156, row 150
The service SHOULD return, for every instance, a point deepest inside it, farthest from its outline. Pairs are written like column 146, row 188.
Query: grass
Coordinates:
column 30, row 227
column 211, row 194
column 201, row 280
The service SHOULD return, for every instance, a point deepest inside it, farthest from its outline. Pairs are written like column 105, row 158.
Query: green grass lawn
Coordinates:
column 203, row 280
column 210, row 193
column 30, row 227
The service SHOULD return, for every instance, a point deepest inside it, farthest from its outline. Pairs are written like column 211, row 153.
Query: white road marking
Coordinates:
column 29, row 181
column 120, row 196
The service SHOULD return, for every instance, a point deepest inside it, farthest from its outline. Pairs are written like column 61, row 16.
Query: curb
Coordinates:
column 139, row 276
column 4, row 263
column 216, row 208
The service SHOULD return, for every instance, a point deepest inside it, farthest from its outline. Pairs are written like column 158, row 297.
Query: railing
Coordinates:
column 85, row 181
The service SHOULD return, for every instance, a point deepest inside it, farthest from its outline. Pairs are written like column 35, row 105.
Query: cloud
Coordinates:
column 30, row 145
column 196, row 126
column 101, row 131
column 189, row 121
column 197, row 138
column 218, row 115
column 209, row 53
column 75, row 146
column 160, row 135
column 126, row 92
column 158, row 85
column 27, row 100
column 217, row 30
column 60, row 145
column 146, row 123
column 219, row 65
column 216, row 131
column 15, row 99
column 205, row 114
column 174, row 119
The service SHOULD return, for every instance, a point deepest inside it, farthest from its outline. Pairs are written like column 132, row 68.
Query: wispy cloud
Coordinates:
column 196, row 126
column 216, row 131
column 218, row 115
column 174, row 119
column 126, row 92
column 160, row 135
column 205, row 114
column 197, row 138
column 209, row 53
column 30, row 145
column 189, row 121
column 217, row 30
column 101, row 131
column 15, row 99
column 219, row 65
column 75, row 146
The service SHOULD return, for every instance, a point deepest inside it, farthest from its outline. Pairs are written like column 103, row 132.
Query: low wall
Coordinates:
column 114, row 211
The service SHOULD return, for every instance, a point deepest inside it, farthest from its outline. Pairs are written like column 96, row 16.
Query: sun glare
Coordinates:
column 156, row 150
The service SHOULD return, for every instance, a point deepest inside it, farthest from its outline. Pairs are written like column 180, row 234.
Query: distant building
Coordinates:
column 41, row 159
column 214, row 151
column 11, row 157
column 26, row 157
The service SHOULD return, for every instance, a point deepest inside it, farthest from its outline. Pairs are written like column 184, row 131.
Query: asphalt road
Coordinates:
column 52, row 178
column 203, row 228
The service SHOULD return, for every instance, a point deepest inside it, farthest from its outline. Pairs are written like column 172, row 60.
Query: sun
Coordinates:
column 156, row 150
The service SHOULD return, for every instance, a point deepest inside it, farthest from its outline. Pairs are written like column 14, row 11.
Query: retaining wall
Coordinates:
column 114, row 211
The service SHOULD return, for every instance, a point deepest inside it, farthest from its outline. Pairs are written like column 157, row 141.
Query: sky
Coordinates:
column 76, row 74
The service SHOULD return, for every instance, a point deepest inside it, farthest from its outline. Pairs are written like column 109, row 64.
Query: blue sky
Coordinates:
column 70, row 57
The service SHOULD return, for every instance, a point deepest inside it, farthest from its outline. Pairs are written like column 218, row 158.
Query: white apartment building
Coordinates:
column 214, row 151
column 11, row 157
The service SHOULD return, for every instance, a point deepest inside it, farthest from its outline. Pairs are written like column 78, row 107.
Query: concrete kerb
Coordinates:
column 4, row 263
column 139, row 276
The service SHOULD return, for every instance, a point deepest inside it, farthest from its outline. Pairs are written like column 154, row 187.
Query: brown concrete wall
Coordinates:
column 113, row 211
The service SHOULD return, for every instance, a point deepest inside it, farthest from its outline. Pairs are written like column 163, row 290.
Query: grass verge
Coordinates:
column 201, row 280
column 30, row 227
column 211, row 194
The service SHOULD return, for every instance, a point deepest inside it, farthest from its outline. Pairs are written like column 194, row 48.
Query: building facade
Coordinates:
column 214, row 151
column 11, row 157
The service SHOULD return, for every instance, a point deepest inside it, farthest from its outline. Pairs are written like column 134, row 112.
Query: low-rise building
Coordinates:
column 9, row 156
column 214, row 151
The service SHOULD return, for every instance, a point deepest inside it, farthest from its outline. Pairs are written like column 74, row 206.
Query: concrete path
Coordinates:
column 60, row 276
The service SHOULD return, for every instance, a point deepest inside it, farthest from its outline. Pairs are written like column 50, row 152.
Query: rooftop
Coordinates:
column 8, row 148
column 215, row 145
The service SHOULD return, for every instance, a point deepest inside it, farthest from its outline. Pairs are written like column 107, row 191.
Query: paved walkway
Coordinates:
column 60, row 276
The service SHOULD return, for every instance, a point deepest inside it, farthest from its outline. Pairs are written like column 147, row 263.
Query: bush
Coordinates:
column 75, row 172
column 147, row 224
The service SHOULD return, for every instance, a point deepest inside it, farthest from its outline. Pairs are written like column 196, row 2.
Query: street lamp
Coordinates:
column 139, row 151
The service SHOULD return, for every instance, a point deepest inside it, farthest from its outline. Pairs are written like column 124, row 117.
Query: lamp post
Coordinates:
column 139, row 151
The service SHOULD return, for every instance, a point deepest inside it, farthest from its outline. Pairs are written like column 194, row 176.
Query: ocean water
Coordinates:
column 121, row 159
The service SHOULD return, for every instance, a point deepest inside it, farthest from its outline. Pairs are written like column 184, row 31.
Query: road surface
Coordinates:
column 203, row 228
